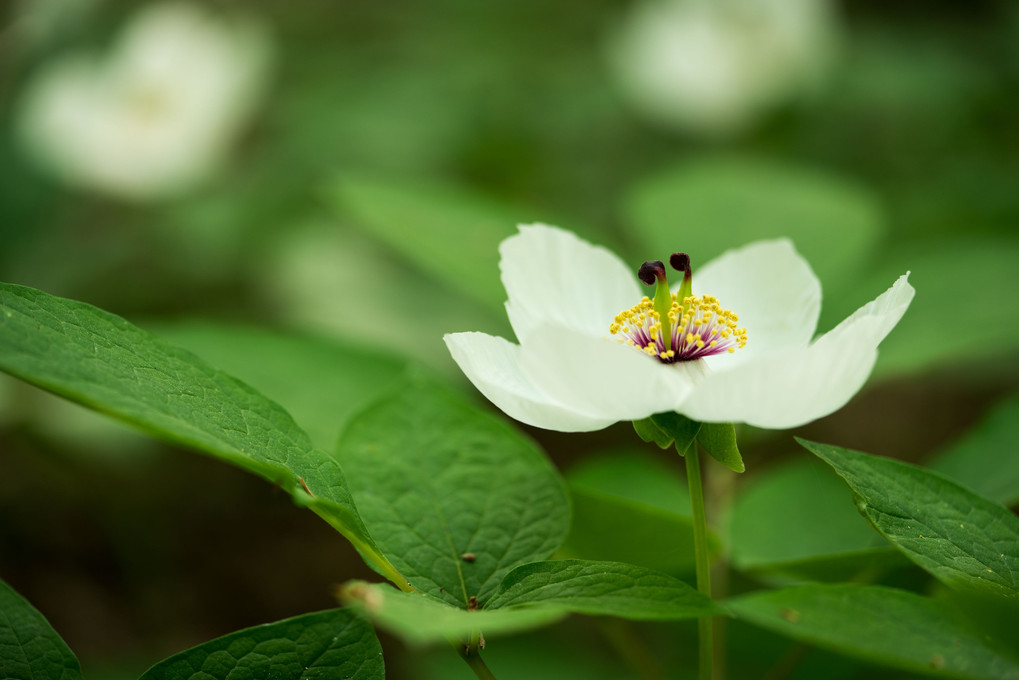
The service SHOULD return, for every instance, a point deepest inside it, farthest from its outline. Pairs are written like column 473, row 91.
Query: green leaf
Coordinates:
column 883, row 625
column 795, row 512
column 100, row 360
column 603, row 588
column 453, row 496
column 719, row 440
column 29, row 647
column 321, row 382
column 651, row 433
column 337, row 643
column 985, row 459
column 680, row 429
column 707, row 206
column 964, row 540
column 422, row 619
column 449, row 232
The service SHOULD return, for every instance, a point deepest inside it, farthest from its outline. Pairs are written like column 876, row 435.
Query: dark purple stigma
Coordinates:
column 651, row 272
column 680, row 262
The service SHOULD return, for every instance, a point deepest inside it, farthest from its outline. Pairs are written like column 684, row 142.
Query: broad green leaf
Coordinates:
column 321, row 382
column 449, row 232
column 337, row 643
column 603, row 588
column 795, row 512
column 421, row 619
column 963, row 539
column 985, row 460
column 710, row 205
column 640, row 475
column 100, row 360
column 453, row 496
column 612, row 528
column 883, row 625
column 719, row 440
column 29, row 647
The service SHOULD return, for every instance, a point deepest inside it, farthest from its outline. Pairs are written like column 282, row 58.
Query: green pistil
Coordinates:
column 651, row 272
column 663, row 305
column 681, row 263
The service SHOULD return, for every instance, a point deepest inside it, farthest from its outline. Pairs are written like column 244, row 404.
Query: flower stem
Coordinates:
column 700, row 542
column 472, row 657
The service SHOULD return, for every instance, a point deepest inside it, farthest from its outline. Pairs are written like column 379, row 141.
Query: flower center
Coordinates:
column 677, row 326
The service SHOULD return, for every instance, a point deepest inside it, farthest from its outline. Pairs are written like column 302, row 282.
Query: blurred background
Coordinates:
column 276, row 185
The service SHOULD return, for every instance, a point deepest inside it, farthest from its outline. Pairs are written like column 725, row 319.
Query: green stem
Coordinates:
column 471, row 655
column 700, row 543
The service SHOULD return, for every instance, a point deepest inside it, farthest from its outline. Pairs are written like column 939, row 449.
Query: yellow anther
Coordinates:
column 698, row 327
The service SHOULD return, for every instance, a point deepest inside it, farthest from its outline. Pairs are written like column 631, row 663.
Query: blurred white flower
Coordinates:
column 713, row 67
column 157, row 115
column 568, row 298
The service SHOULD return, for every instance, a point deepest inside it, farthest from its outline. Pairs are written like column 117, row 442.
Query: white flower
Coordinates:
column 158, row 115
column 571, row 373
column 715, row 66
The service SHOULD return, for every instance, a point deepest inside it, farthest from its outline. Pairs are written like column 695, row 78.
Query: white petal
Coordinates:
column 601, row 377
column 773, row 291
column 793, row 387
column 552, row 276
column 493, row 365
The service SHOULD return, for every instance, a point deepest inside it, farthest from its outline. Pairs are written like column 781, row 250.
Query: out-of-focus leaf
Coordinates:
column 795, row 512
column 986, row 460
column 641, row 476
column 101, row 361
column 963, row 539
column 710, row 205
column 611, row 528
column 984, row 268
column 455, row 497
column 862, row 566
column 883, row 625
column 603, row 588
column 333, row 277
column 332, row 644
column 449, row 232
column 320, row 382
column 547, row 654
column 29, row 647
column 422, row 619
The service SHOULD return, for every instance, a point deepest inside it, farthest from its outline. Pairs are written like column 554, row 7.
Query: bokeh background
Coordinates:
column 309, row 194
